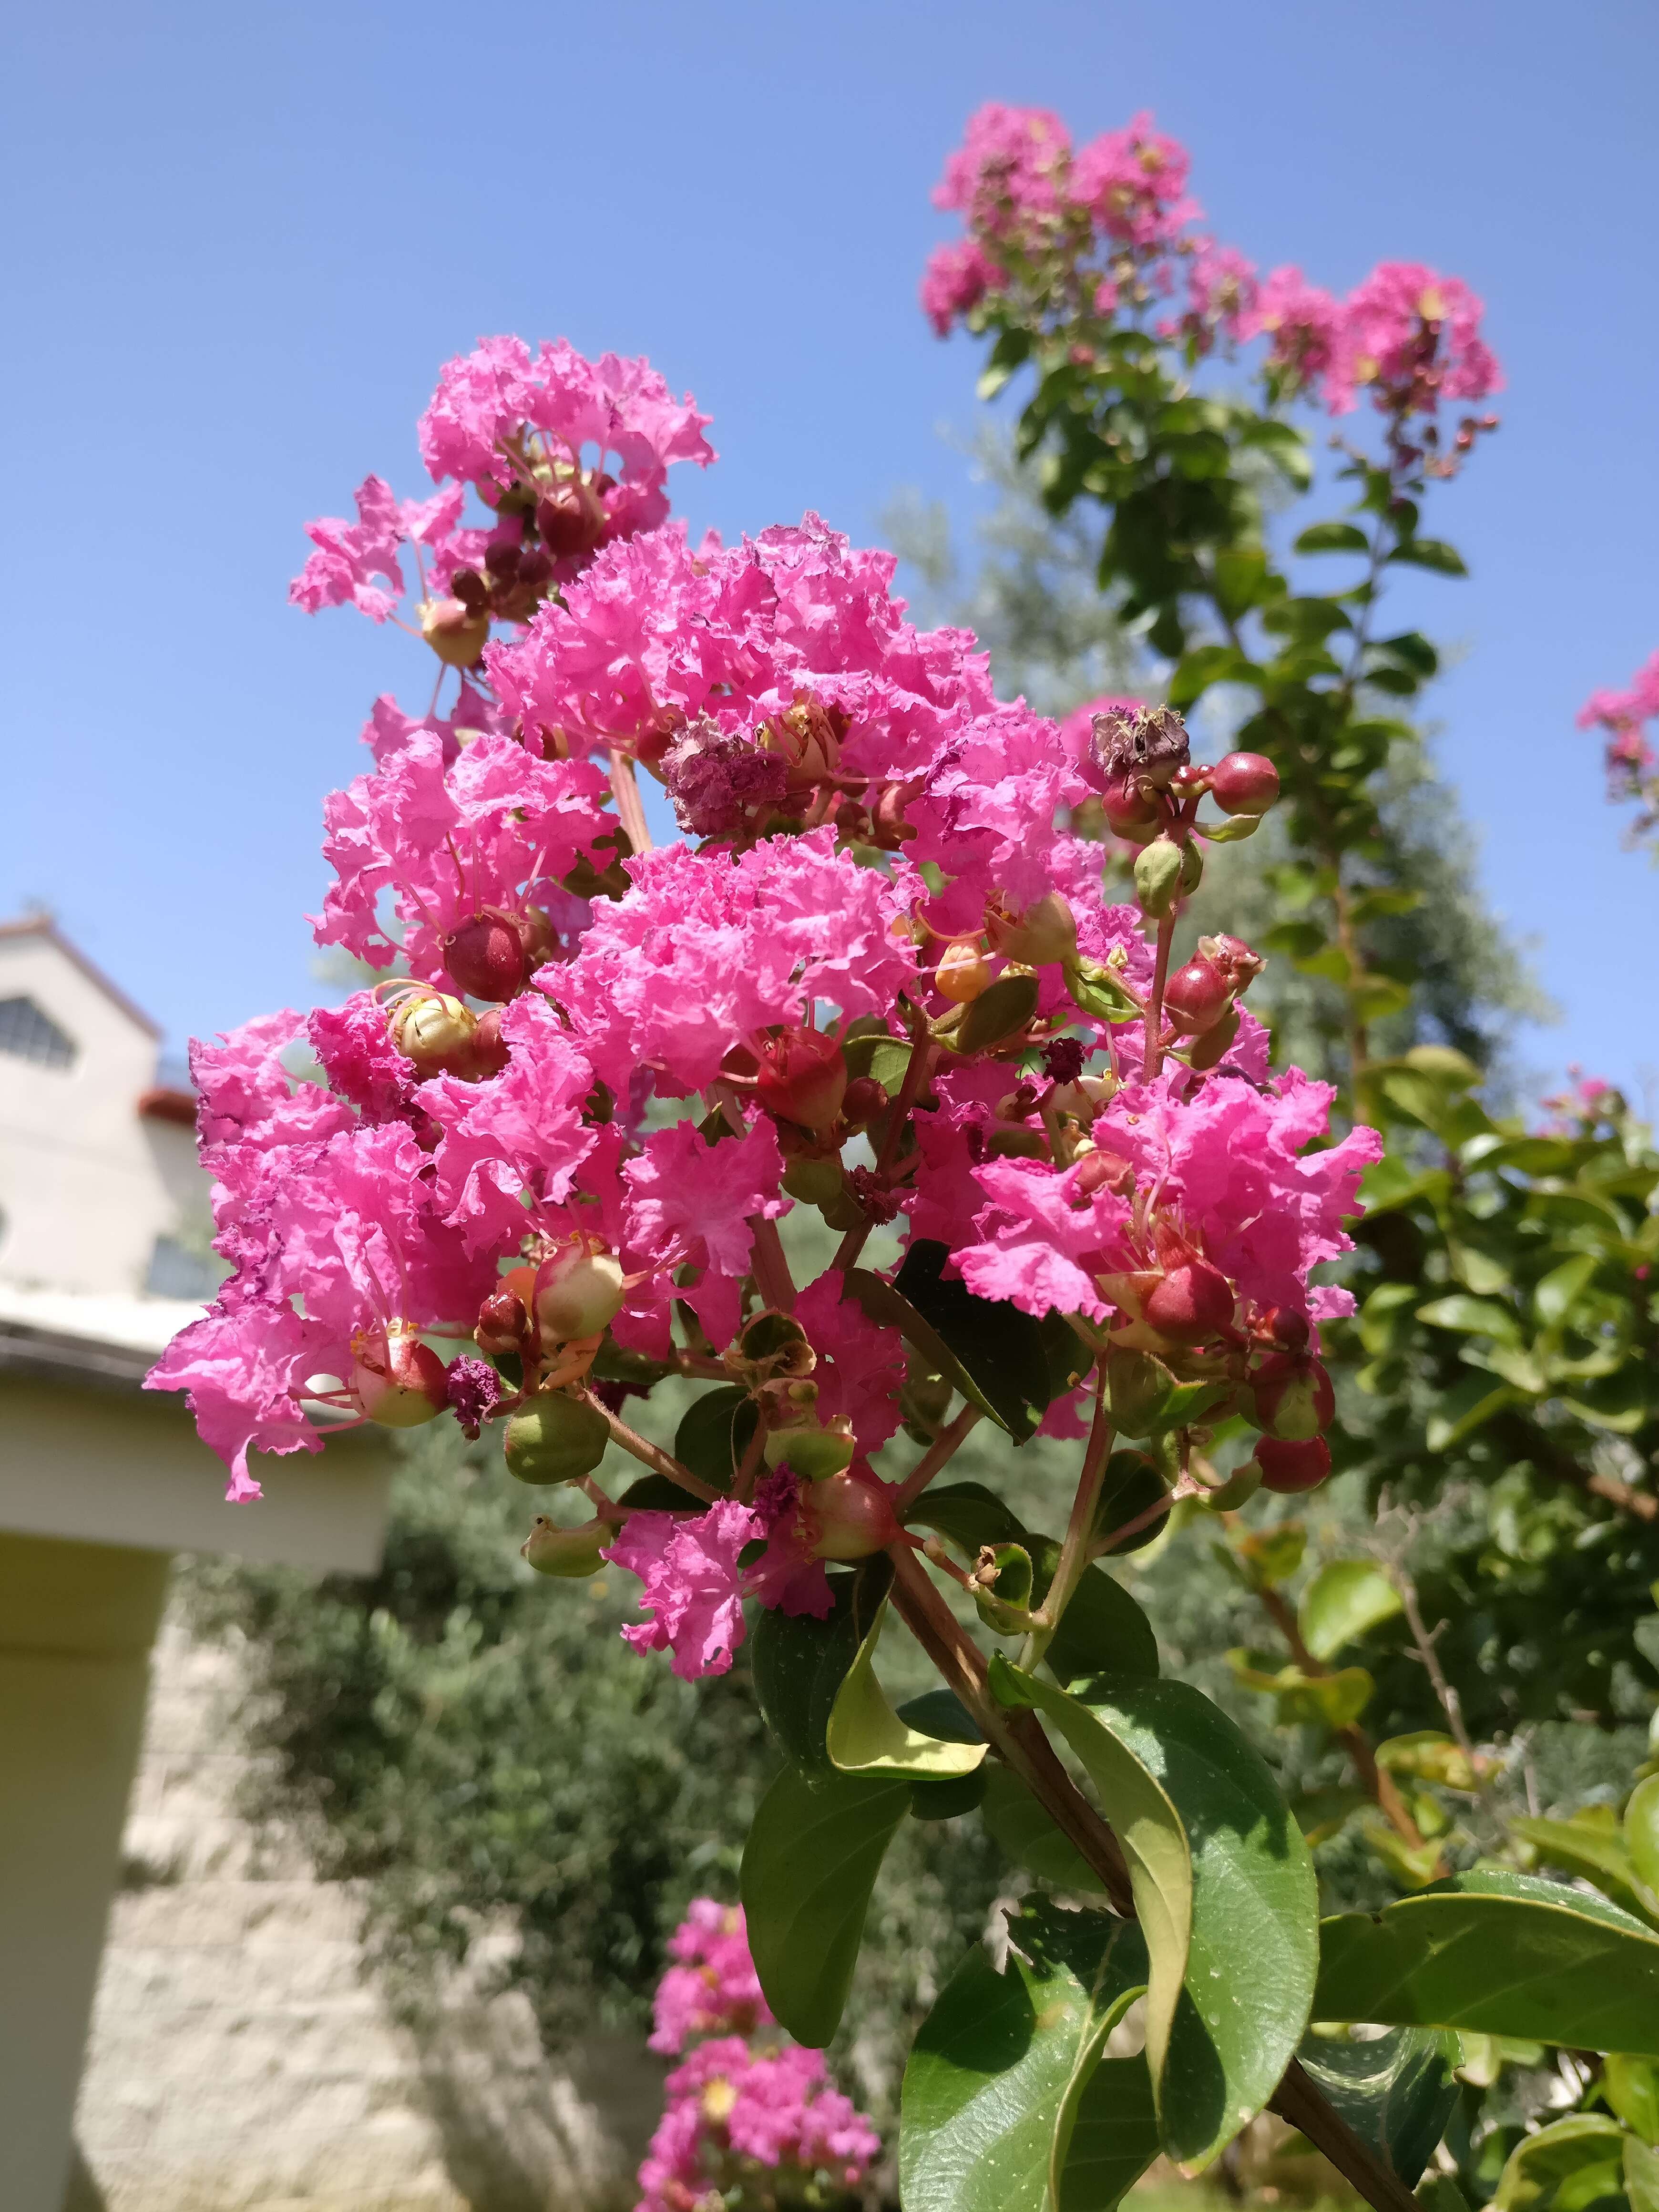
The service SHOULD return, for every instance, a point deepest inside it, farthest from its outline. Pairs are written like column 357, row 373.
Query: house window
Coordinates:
column 27, row 1034
column 177, row 1272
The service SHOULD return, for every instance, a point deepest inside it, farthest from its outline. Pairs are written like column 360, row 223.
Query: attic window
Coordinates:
column 27, row 1034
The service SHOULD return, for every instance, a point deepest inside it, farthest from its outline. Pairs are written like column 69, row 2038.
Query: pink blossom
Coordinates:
column 860, row 1369
column 692, row 1200
column 243, row 1368
column 1133, row 182
column 692, row 1589
column 1415, row 337
column 1302, row 323
column 712, row 1988
column 957, row 276
column 350, row 555
column 1009, row 166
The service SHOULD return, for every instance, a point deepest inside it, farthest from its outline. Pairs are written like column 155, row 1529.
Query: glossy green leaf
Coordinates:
column 809, row 1865
column 799, row 1663
column 1114, row 2136
column 1019, row 1824
column 1574, row 2163
column 1497, row 1953
column 968, row 1514
column 1332, row 537
column 713, row 1433
column 1345, row 1598
column 994, row 1353
column 1331, row 1700
column 1225, row 1891
column 864, row 1735
column 1396, row 2092
column 1000, row 2066
column 1471, row 1316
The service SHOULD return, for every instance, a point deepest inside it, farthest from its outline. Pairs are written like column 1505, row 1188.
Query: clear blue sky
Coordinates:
column 239, row 240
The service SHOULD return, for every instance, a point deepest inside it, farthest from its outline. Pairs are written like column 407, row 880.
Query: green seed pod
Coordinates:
column 815, row 1183
column 1206, row 1051
column 569, row 1553
column 1192, row 869
column 812, row 1451
column 1159, row 868
column 555, row 1438
column 1001, row 1010
column 1004, row 1605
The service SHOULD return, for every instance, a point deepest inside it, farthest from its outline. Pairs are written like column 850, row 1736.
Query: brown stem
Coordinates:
column 771, row 1269
column 941, row 1450
column 1018, row 1740
column 653, row 1456
column 1377, row 1784
column 1450, row 1704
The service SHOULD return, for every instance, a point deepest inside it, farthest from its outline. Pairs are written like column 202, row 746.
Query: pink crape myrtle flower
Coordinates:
column 712, row 1988
column 1384, row 323
column 1011, row 167
column 350, row 556
column 692, row 1586
column 1301, row 324
column 1135, row 181
column 957, row 276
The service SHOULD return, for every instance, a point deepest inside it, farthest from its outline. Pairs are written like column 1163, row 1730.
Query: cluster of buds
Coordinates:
column 555, row 513
column 551, row 1318
column 1150, row 789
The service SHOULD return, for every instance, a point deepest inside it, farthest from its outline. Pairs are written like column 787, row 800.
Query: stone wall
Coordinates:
column 239, row 2061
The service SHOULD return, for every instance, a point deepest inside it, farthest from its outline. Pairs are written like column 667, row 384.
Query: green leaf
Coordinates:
column 1332, row 537
column 1224, row 1889
column 715, row 1432
column 998, row 2066
column 1241, row 579
column 1631, row 2085
column 1472, row 1317
column 1641, row 2175
column 1469, row 1404
column 969, row 1514
column 1207, row 665
column 1431, row 553
column 1594, row 1852
column 1397, row 2092
column 799, row 1663
column 1560, row 1292
column 1497, row 1953
column 1001, row 1008
column 1015, row 1822
column 1642, row 1830
column 1574, row 2163
column 1332, row 1701
column 997, row 1350
column 808, row 1868
column 1114, row 2136
column 864, row 1735
column 1344, row 1599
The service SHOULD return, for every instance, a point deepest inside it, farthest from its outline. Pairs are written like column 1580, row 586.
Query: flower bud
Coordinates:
column 1289, row 1467
column 1194, row 1300
column 571, row 1553
column 571, row 519
column 1196, row 996
column 433, row 1030
column 802, row 1078
column 849, row 1515
column 455, row 634
column 1098, row 1170
column 1017, row 1143
column 398, row 1382
column 555, row 1438
column 1210, row 1049
column 579, row 1293
column 1286, row 1328
column 1244, row 783
column 503, row 1324
column 962, row 971
column 488, row 1053
column 1234, row 958
column 1130, row 814
column 864, row 1099
column 485, row 956
column 814, row 1453
column 1045, row 933
column 1240, row 1487
column 1158, row 876
column 1293, row 1397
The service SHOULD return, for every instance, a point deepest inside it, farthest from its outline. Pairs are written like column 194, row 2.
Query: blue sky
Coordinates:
column 240, row 240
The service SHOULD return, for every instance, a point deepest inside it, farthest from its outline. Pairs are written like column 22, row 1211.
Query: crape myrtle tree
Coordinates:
column 885, row 980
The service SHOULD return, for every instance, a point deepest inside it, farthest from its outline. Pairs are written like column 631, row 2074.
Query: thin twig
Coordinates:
column 941, row 1450
column 653, row 1456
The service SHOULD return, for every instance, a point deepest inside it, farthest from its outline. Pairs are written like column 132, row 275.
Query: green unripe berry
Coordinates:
column 555, row 1438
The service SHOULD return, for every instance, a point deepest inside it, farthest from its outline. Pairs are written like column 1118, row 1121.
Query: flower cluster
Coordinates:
column 746, row 2116
column 1632, row 765
column 1077, row 240
column 881, row 979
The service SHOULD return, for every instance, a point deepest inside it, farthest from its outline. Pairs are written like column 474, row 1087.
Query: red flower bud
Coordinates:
column 1293, row 1397
column 485, row 956
column 1100, row 1170
column 503, row 1323
column 1129, row 813
column 849, row 1515
column 1244, row 783
column 1196, row 996
column 802, row 1078
column 1194, row 1300
column 488, row 1053
column 398, row 1381
column 1233, row 957
column 1287, row 1329
column 572, row 520
column 1289, row 1467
